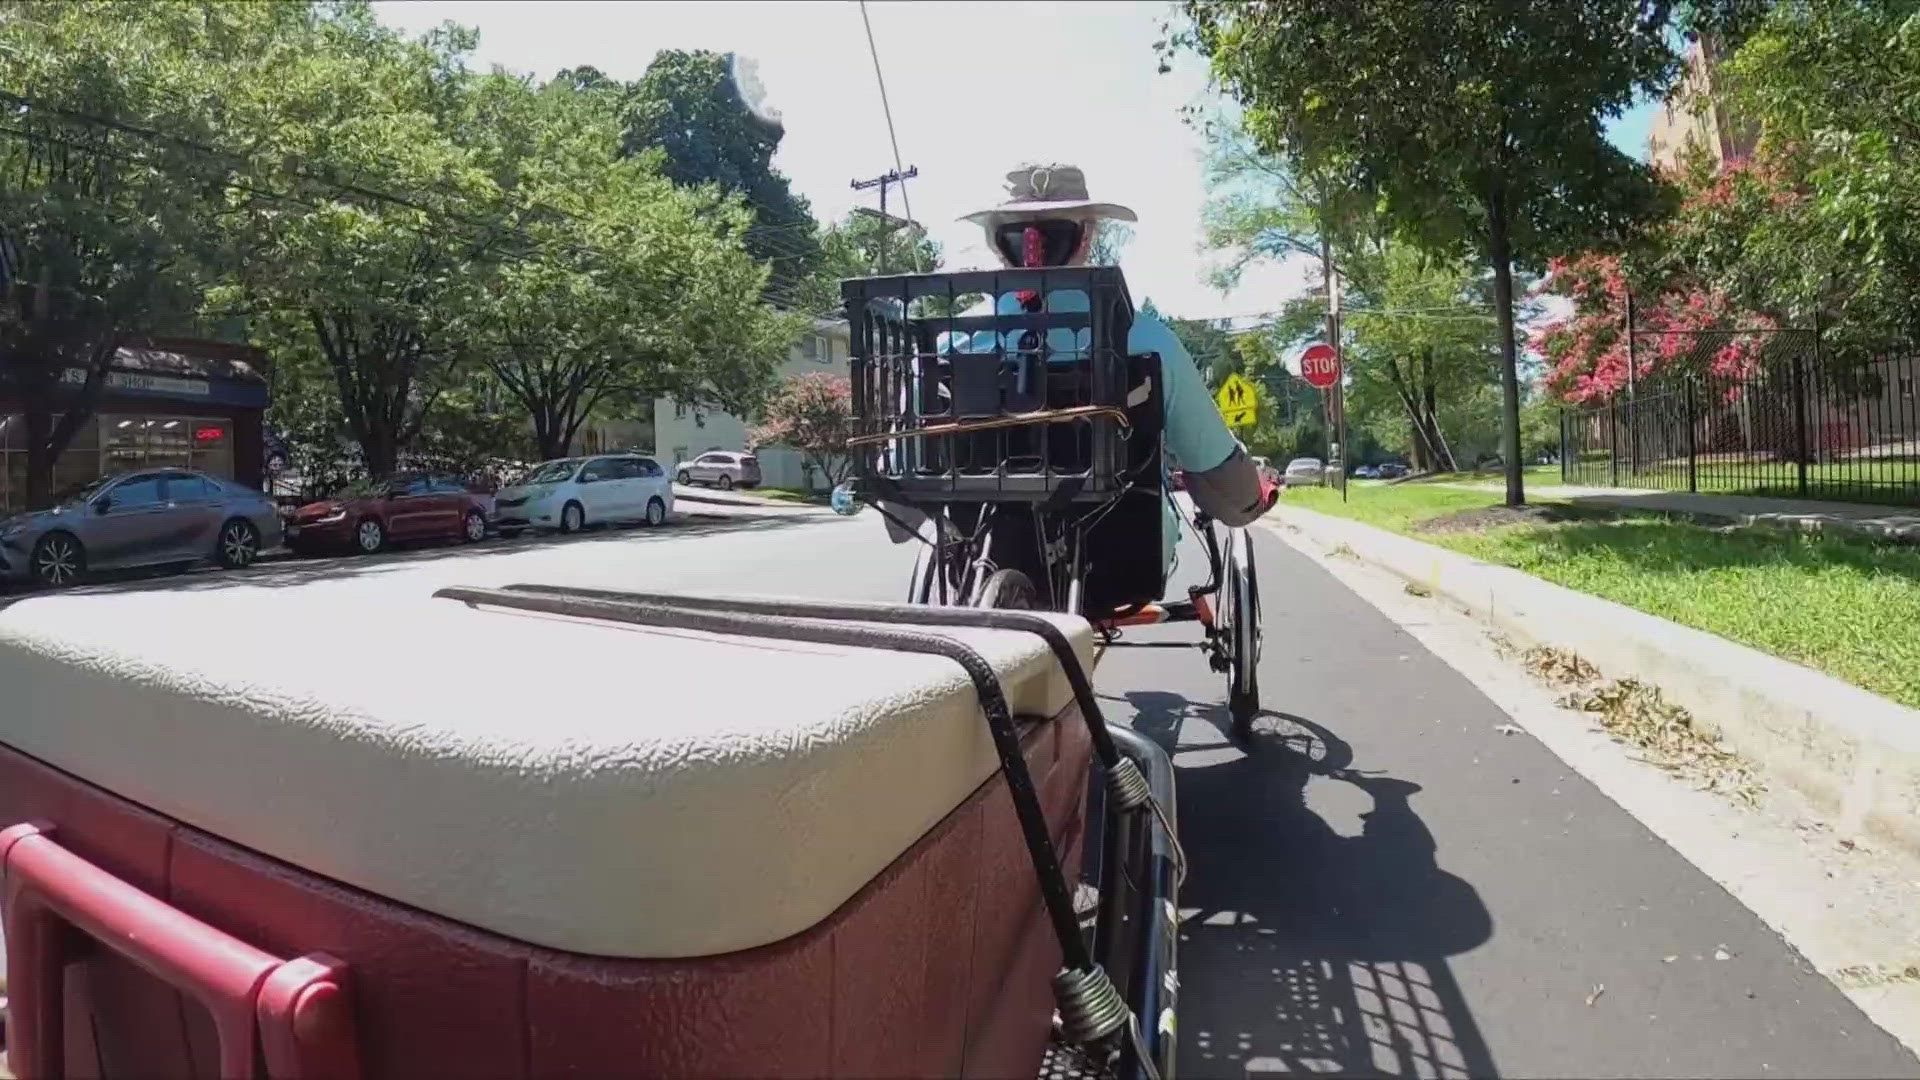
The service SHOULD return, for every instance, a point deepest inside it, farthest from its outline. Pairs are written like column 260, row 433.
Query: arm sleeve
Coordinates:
column 1221, row 478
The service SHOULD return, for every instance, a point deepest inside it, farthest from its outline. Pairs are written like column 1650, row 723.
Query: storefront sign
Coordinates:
column 135, row 383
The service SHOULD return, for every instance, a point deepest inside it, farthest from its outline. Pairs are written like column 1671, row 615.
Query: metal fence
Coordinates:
column 1753, row 412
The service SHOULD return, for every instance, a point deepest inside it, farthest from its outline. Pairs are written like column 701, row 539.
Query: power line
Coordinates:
column 899, row 166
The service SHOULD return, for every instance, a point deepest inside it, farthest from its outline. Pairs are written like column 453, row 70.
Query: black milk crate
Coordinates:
column 981, row 406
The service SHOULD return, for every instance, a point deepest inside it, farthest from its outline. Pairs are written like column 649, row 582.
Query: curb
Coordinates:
column 745, row 504
column 1854, row 754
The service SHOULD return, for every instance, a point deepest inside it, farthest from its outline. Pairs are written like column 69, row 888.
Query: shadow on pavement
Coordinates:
column 1326, row 953
column 290, row 570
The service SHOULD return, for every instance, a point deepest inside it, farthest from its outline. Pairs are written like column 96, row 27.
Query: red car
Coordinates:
column 370, row 515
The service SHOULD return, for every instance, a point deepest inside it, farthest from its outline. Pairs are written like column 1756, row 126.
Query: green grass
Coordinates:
column 1844, row 605
column 790, row 495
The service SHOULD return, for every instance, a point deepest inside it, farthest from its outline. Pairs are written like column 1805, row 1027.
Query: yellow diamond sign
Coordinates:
column 1239, row 404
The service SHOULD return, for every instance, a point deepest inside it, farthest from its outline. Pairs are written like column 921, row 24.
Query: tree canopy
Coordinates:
column 1477, row 125
column 688, row 109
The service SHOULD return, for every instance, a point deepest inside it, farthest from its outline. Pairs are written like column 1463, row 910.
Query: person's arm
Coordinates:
column 1221, row 477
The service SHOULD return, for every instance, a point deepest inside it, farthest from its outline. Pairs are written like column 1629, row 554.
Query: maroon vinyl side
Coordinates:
column 940, row 966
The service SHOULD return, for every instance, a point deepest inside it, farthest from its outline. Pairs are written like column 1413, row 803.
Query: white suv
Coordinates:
column 721, row 468
column 568, row 494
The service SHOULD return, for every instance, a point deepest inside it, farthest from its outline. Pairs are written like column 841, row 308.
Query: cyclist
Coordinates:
column 1048, row 220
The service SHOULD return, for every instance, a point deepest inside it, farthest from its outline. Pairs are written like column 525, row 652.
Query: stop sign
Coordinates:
column 1320, row 366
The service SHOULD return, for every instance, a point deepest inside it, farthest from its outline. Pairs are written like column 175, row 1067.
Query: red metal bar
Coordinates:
column 302, row 1020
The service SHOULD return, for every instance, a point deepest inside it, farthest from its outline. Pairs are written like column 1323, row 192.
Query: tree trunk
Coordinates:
column 1500, row 253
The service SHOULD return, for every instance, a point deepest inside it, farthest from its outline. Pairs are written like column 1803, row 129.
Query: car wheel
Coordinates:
column 656, row 511
column 683, row 479
column 369, row 536
column 475, row 529
column 57, row 560
column 726, row 482
column 572, row 518
column 239, row 544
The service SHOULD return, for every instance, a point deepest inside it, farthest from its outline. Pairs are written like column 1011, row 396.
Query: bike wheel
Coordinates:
column 1009, row 590
column 1240, row 627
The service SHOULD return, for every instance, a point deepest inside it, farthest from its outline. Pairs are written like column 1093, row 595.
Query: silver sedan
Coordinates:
column 153, row 517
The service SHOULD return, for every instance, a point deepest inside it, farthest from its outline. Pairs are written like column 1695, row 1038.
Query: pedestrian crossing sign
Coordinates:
column 1238, row 402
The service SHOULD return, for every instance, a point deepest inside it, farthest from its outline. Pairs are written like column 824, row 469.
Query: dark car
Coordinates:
column 370, row 515
column 153, row 517
column 1392, row 470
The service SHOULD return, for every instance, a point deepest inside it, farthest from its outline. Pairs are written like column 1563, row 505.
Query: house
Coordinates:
column 682, row 431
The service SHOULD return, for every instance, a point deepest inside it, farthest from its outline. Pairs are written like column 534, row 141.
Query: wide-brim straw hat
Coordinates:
column 1034, row 190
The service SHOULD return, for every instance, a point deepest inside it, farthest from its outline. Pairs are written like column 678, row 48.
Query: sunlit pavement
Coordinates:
column 1385, row 885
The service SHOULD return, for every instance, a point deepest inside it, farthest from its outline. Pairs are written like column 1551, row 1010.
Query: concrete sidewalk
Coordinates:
column 1901, row 523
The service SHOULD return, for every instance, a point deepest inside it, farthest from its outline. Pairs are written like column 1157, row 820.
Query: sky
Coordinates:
column 969, row 101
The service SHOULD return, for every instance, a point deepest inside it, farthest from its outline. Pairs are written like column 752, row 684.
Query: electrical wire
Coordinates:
column 899, row 167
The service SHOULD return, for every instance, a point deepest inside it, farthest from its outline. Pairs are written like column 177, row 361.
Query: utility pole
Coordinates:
column 1337, row 395
column 884, row 181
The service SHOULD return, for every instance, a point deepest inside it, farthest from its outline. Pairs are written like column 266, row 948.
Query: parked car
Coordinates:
column 569, row 494
column 152, row 517
column 723, row 469
column 1367, row 472
column 1393, row 470
column 1305, row 472
column 370, row 515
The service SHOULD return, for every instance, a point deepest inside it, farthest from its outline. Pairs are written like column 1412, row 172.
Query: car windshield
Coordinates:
column 1304, row 463
column 552, row 472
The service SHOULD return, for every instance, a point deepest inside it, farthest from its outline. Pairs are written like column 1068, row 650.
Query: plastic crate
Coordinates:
column 985, row 406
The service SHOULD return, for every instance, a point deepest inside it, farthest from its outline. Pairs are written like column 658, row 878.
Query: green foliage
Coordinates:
column 687, row 109
column 866, row 245
column 1475, row 125
column 106, row 224
column 813, row 413
column 1821, row 219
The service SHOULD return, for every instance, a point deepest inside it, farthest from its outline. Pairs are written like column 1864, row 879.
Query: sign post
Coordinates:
column 1320, row 366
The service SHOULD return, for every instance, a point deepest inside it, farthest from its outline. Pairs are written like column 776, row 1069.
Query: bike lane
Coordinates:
column 1388, row 884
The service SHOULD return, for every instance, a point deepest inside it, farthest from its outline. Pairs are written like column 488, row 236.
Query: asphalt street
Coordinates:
column 1384, row 885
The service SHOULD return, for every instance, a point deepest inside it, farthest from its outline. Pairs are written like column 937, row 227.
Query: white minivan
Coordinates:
column 569, row 494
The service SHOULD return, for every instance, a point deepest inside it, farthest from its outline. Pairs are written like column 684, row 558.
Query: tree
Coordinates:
column 639, row 289
column 688, row 108
column 867, row 245
column 105, row 199
column 1819, row 223
column 813, row 413
column 1476, row 123
column 357, row 225
column 1417, row 329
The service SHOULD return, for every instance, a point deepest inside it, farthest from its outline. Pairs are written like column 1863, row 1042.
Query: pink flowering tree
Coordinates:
column 812, row 413
column 1680, row 328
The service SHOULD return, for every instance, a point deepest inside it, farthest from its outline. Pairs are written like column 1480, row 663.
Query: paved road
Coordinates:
column 1389, row 886
column 1385, row 885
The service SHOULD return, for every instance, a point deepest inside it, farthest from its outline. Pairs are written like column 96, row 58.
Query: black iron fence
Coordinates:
column 1753, row 412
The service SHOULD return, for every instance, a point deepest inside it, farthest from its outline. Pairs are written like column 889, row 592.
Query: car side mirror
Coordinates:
column 103, row 504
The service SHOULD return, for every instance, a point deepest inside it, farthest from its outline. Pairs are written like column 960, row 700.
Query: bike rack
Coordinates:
column 284, row 1019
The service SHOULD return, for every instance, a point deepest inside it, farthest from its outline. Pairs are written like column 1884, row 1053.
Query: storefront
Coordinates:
column 194, row 404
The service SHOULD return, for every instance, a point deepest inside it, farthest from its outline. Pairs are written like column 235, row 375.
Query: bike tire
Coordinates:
column 1009, row 590
column 1240, row 612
